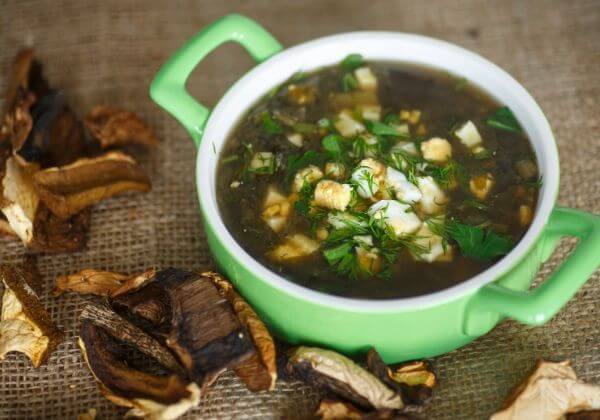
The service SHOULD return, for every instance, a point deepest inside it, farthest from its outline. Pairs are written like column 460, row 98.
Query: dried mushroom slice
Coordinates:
column 69, row 189
column 53, row 234
column 259, row 372
column 414, row 381
column 150, row 305
column 149, row 396
column 25, row 325
column 550, row 392
column 205, row 332
column 101, row 283
column 114, row 127
column 343, row 377
column 330, row 409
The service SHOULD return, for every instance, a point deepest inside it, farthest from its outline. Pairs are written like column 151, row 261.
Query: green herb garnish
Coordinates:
column 295, row 162
column 332, row 143
column 352, row 62
column 349, row 82
column 460, row 83
column 304, row 128
column 476, row 204
column 483, row 154
column 476, row 242
column 381, row 129
column 504, row 119
column 269, row 125
column 229, row 159
column 325, row 123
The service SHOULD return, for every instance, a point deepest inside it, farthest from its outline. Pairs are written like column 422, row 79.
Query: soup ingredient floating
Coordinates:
column 52, row 170
column 370, row 171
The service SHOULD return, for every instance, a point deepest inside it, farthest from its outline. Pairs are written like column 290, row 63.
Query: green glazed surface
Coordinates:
column 401, row 333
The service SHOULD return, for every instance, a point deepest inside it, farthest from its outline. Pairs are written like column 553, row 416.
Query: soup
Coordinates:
column 377, row 180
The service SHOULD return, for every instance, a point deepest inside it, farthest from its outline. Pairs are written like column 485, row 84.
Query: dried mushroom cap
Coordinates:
column 341, row 410
column 25, row 325
column 412, row 380
column 69, row 189
column 101, row 283
column 205, row 332
column 343, row 377
column 551, row 391
column 259, row 372
column 150, row 304
column 149, row 396
column 88, row 415
column 116, row 127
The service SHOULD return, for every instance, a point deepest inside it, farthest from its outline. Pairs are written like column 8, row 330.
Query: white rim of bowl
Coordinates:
column 534, row 119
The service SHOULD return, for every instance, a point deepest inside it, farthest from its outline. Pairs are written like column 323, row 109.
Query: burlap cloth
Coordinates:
column 108, row 52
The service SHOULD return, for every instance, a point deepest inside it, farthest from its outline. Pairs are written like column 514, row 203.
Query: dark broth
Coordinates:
column 445, row 102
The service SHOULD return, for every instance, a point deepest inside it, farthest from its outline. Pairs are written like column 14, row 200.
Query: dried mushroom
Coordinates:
column 101, row 283
column 259, row 372
column 550, row 392
column 69, row 189
column 53, row 234
column 341, row 410
column 25, row 325
column 148, row 395
column 413, row 380
column 116, row 127
column 343, row 377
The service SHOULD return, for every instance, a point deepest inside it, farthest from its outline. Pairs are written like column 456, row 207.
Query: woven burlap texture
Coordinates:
column 107, row 53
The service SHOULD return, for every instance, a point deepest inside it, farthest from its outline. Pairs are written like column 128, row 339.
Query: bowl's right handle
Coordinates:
column 537, row 306
column 168, row 87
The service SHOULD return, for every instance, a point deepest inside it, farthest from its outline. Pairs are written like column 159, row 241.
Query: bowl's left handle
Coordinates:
column 168, row 87
column 537, row 306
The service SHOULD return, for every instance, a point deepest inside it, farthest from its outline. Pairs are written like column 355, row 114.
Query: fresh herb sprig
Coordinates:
column 504, row 119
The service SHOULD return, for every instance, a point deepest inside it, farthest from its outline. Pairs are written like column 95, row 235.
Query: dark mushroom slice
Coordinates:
column 25, row 326
column 114, row 127
column 52, row 234
column 205, row 333
column 414, row 381
column 101, row 283
column 330, row 409
column 259, row 372
column 102, row 316
column 342, row 377
column 69, row 189
column 584, row 415
column 150, row 306
column 148, row 395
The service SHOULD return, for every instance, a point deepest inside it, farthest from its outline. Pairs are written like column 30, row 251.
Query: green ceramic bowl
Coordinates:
column 400, row 329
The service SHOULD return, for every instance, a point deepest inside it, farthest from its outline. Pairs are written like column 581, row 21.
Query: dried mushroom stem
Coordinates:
column 69, row 189
column 101, row 283
column 25, row 325
column 114, row 127
column 119, row 328
column 259, row 372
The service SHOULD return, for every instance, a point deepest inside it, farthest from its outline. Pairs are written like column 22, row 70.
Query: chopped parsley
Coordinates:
column 504, row 119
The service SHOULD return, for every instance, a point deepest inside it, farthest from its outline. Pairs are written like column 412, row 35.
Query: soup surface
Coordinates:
column 377, row 180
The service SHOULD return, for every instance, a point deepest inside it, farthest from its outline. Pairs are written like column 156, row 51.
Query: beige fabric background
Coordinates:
column 107, row 52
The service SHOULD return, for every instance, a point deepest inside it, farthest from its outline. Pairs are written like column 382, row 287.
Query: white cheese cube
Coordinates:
column 262, row 162
column 436, row 149
column 309, row 175
column 405, row 190
column 296, row 139
column 366, row 181
column 407, row 147
column 294, row 247
column 364, row 240
column 468, row 134
column 434, row 246
column 341, row 220
column 276, row 209
column 481, row 185
column 348, row 126
column 370, row 112
column 398, row 216
column 366, row 79
column 434, row 199
column 333, row 195
column 335, row 170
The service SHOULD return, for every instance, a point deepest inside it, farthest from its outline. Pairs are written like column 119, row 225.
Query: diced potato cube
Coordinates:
column 434, row 246
column 525, row 215
column 436, row 149
column 294, row 247
column 348, row 126
column 263, row 163
column 407, row 147
column 321, row 234
column 368, row 260
column 434, row 199
column 370, row 112
column 412, row 116
column 301, row 94
column 296, row 139
column 402, row 129
column 335, row 170
column 526, row 169
column 468, row 135
column 310, row 175
column 235, row 184
column 481, row 185
column 333, row 195
column 421, row 130
column 276, row 209
column 398, row 216
column 366, row 79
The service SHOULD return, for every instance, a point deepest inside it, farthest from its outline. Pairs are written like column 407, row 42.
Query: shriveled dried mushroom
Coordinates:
column 116, row 127
column 259, row 372
column 550, row 392
column 69, row 189
column 342, row 410
column 53, row 234
column 149, row 396
column 101, row 283
column 343, row 377
column 25, row 325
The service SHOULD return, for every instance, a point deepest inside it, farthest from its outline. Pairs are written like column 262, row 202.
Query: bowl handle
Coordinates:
column 537, row 306
column 168, row 87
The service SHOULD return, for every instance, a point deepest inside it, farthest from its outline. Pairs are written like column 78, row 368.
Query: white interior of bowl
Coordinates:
column 377, row 46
